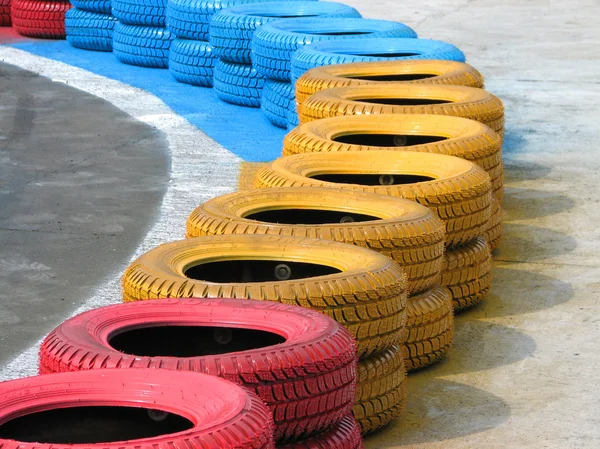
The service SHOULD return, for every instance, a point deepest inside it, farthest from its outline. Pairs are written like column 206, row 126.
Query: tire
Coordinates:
column 413, row 71
column 238, row 84
column 458, row 137
column 468, row 273
column 231, row 30
column 89, row 30
column 369, row 50
column 458, row 191
column 5, row 13
column 367, row 295
column 39, row 18
column 218, row 413
column 274, row 44
column 277, row 99
column 192, row 62
column 345, row 435
column 317, row 355
column 403, row 230
column 459, row 101
column 381, row 395
column 142, row 46
column 430, row 328
column 99, row 6
column 493, row 233
column 140, row 12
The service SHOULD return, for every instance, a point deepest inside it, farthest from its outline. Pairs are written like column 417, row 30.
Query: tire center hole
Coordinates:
column 402, row 101
column 308, row 216
column 92, row 424
column 228, row 271
column 394, row 77
column 390, row 55
column 387, row 140
column 340, row 33
column 383, row 179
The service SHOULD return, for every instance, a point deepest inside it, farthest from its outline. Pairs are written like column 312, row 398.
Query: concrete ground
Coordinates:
column 524, row 369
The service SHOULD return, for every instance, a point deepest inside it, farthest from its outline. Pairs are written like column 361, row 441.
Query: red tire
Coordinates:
column 345, row 435
column 40, row 18
column 307, row 375
column 4, row 13
column 201, row 412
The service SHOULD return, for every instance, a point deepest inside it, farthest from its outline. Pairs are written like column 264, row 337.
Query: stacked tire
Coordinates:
column 89, row 25
column 5, row 13
column 274, row 44
column 43, row 19
column 140, row 36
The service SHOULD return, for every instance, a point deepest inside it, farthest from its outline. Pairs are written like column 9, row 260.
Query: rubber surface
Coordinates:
column 403, row 230
column 467, row 273
column 308, row 381
column 238, row 84
column 459, row 192
column 89, row 30
column 274, row 44
column 223, row 415
column 231, row 30
column 277, row 99
column 381, row 395
column 140, row 12
column 385, row 72
column 100, row 6
column 367, row 295
column 493, row 233
column 430, row 328
column 367, row 50
column 5, row 13
column 460, row 137
column 192, row 62
column 142, row 45
column 345, row 435
column 39, row 18
column 459, row 101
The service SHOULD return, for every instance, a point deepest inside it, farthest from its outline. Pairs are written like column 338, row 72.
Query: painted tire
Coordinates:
column 238, row 84
column 89, row 30
column 323, row 395
column 345, row 435
column 430, row 328
column 5, row 13
column 457, row 190
column 369, row 50
column 403, row 230
column 359, row 288
column 274, row 44
column 39, row 18
column 453, row 136
column 412, row 71
column 468, row 273
column 142, row 45
column 459, row 101
column 192, row 62
column 493, row 233
column 277, row 99
column 140, row 12
column 381, row 395
column 100, row 6
column 219, row 413
column 231, row 30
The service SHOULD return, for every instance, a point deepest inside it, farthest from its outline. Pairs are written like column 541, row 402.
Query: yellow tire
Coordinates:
column 423, row 133
column 359, row 288
column 381, row 393
column 429, row 328
column 459, row 101
column 493, row 233
column 468, row 273
column 408, row 71
column 457, row 190
column 404, row 230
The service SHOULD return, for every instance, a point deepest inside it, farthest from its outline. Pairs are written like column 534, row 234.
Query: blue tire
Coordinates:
column 366, row 50
column 231, row 30
column 140, row 12
column 89, row 30
column 192, row 62
column 274, row 43
column 238, row 84
column 141, row 45
column 277, row 99
column 101, row 6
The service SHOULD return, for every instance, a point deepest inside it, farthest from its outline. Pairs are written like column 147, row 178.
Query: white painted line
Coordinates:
column 200, row 169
